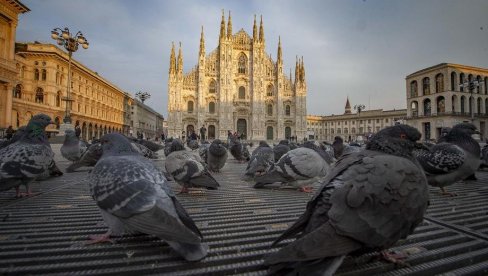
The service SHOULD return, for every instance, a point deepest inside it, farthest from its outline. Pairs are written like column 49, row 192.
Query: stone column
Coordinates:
column 8, row 105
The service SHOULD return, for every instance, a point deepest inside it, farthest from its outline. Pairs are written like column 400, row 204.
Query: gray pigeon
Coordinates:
column 280, row 149
column 133, row 197
column 89, row 158
column 147, row 143
column 338, row 146
column 297, row 168
column 28, row 158
column 484, row 156
column 239, row 150
column 145, row 151
column 368, row 201
column 216, row 156
column 262, row 159
column 455, row 157
column 322, row 150
column 167, row 146
column 193, row 144
column 203, row 150
column 73, row 148
column 187, row 169
column 17, row 135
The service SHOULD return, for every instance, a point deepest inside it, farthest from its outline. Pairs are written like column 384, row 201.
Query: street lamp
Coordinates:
column 143, row 96
column 70, row 43
column 359, row 107
column 471, row 85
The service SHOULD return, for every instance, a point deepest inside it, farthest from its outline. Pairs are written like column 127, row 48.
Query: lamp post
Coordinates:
column 359, row 107
column 143, row 96
column 70, row 43
column 471, row 85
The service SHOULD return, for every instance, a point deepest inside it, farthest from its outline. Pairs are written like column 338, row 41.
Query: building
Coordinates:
column 352, row 126
column 9, row 12
column 436, row 98
column 98, row 106
column 145, row 121
column 237, row 87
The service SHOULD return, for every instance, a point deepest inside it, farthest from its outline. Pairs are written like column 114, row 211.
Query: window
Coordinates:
column 242, row 93
column 269, row 91
column 36, row 74
column 211, row 107
column 190, row 106
column 439, row 83
column 461, row 82
column 18, row 91
column 44, row 74
column 427, row 107
column 269, row 110
column 426, row 86
column 211, row 87
column 413, row 89
column 242, row 64
column 441, row 105
column 453, row 81
column 58, row 99
column 39, row 95
column 287, row 110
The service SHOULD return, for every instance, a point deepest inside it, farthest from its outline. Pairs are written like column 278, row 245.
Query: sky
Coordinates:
column 361, row 49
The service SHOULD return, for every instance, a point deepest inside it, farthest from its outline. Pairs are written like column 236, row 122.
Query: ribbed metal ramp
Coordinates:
column 46, row 234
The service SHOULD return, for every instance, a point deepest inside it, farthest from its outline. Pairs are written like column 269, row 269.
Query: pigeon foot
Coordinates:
column 100, row 238
column 306, row 189
column 395, row 258
column 446, row 193
column 184, row 190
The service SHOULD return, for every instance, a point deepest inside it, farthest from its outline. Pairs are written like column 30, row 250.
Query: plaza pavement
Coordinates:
column 46, row 233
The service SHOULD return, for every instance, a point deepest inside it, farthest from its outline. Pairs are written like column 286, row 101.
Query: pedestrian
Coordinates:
column 183, row 137
column 77, row 131
column 162, row 137
column 10, row 133
column 203, row 130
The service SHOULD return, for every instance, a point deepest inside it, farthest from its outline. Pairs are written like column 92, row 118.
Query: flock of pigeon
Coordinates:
column 368, row 197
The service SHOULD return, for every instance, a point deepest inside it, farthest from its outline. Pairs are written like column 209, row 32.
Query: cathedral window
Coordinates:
column 242, row 64
column 39, row 95
column 242, row 93
column 190, row 106
column 211, row 87
column 269, row 110
column 58, row 99
column 211, row 107
column 287, row 110
column 44, row 74
column 36, row 74
column 18, row 91
column 269, row 91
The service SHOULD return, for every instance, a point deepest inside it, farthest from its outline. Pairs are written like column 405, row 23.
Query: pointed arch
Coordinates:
column 242, row 64
column 39, row 98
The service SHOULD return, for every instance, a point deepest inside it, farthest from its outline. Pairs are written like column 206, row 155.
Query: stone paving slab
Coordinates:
column 46, row 233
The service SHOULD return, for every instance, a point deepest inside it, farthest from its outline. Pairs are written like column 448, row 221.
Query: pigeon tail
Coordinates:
column 270, row 177
column 205, row 180
column 191, row 252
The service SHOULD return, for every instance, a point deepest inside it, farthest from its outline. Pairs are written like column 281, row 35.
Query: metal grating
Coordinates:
column 46, row 234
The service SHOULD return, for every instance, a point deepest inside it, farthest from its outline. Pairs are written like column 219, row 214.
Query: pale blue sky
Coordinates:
column 363, row 49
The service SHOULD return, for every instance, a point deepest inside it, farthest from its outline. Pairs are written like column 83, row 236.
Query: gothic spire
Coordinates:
column 229, row 27
column 180, row 60
column 279, row 59
column 202, row 44
column 302, row 71
column 222, row 26
column 254, row 31
column 172, row 60
column 261, row 30
column 347, row 109
column 297, row 70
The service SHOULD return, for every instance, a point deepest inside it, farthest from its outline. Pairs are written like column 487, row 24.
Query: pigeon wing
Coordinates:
column 442, row 158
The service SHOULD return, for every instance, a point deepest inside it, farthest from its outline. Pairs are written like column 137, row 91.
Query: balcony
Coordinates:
column 449, row 113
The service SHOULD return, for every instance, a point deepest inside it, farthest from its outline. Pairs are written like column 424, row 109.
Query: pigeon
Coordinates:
column 368, row 201
column 72, row 148
column 193, row 144
column 454, row 158
column 148, row 144
column 133, row 197
column 484, row 156
column 351, row 148
column 322, row 150
column 167, row 146
column 262, row 159
column 17, row 135
column 145, row 151
column 297, row 168
column 216, row 156
column 89, row 158
column 338, row 146
column 239, row 150
column 28, row 158
column 203, row 150
column 293, row 145
column 280, row 149
column 187, row 169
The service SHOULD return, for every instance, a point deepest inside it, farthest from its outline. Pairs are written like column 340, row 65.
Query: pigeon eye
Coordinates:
column 403, row 136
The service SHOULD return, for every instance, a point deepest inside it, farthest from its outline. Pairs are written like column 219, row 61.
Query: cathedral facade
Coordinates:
column 237, row 87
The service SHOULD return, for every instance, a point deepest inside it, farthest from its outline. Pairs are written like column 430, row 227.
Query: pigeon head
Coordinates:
column 176, row 145
column 467, row 128
column 263, row 144
column 41, row 120
column 284, row 142
column 36, row 128
column 217, row 148
column 398, row 140
column 338, row 139
column 116, row 144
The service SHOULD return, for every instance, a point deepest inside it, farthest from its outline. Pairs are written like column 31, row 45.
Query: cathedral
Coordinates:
column 237, row 87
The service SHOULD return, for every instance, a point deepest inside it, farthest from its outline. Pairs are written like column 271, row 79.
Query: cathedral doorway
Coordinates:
column 269, row 133
column 287, row 132
column 242, row 127
column 211, row 132
column 189, row 130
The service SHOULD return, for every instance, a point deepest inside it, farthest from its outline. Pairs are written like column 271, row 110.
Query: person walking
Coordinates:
column 77, row 131
column 9, row 132
column 203, row 130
